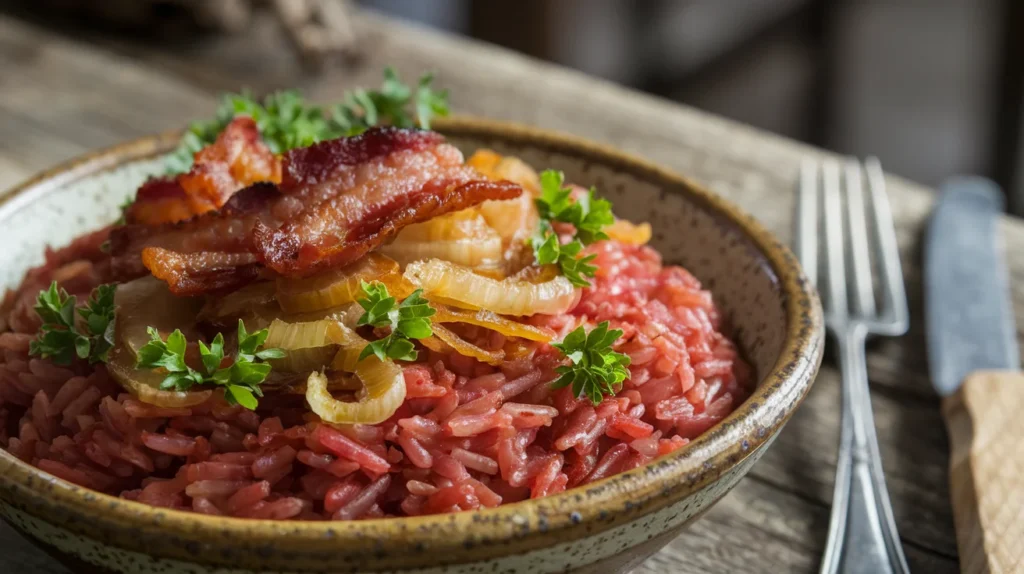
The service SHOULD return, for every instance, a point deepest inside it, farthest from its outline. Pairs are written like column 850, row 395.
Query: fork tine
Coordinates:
column 863, row 297
column 894, row 295
column 807, row 220
column 834, row 248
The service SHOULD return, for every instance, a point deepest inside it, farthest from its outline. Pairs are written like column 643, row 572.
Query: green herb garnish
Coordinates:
column 361, row 109
column 588, row 214
column 547, row 249
column 408, row 320
column 595, row 370
column 286, row 121
column 241, row 379
column 61, row 337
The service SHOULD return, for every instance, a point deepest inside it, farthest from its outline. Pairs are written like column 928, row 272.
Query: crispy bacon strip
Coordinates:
column 237, row 159
column 309, row 166
column 338, row 200
column 205, row 272
column 159, row 200
column 224, row 231
column 299, row 249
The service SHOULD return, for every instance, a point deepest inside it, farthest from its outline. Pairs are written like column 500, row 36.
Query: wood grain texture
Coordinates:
column 986, row 470
column 62, row 94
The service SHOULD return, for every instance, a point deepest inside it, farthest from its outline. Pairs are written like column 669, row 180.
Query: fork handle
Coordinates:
column 862, row 532
column 985, row 425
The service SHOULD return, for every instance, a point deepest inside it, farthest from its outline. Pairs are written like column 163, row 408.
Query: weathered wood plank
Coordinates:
column 69, row 96
column 913, row 445
column 19, row 555
column 58, row 100
column 755, row 530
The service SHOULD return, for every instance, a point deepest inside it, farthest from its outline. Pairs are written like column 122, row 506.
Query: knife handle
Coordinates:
column 985, row 419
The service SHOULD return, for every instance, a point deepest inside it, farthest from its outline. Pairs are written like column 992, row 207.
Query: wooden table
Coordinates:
column 62, row 95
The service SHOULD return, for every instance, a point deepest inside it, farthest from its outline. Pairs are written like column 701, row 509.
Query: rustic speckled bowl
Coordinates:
column 607, row 526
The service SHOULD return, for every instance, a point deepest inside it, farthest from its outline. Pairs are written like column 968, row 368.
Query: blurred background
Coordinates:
column 932, row 87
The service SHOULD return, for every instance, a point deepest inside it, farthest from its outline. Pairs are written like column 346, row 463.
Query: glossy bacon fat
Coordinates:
column 237, row 159
column 337, row 201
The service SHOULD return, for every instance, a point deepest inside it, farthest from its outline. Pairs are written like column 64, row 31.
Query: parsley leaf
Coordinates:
column 588, row 214
column 286, row 121
column 409, row 320
column 554, row 196
column 429, row 103
column 61, row 337
column 241, row 378
column 576, row 269
column 595, row 370
column 98, row 315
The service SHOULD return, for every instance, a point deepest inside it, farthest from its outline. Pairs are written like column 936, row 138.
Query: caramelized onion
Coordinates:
column 495, row 166
column 307, row 345
column 347, row 315
column 513, row 219
column 444, row 282
column 489, row 320
column 467, row 252
column 383, row 388
column 331, row 343
column 630, row 233
column 239, row 302
column 255, row 304
column 382, row 394
column 464, row 347
column 465, row 224
column 305, row 360
column 295, row 336
column 336, row 287
column 463, row 237
column 147, row 302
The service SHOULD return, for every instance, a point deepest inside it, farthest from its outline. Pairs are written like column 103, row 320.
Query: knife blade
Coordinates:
column 970, row 322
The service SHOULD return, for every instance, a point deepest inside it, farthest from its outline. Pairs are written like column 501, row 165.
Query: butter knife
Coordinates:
column 975, row 367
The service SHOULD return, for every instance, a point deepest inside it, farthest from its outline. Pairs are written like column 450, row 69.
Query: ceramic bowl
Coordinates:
column 607, row 526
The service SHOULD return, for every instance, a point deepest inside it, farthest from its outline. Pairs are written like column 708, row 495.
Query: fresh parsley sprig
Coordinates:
column 408, row 320
column 61, row 337
column 241, row 378
column 286, row 121
column 587, row 214
column 361, row 109
column 595, row 370
column 547, row 249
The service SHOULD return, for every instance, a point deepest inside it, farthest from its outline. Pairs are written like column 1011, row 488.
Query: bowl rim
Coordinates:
column 471, row 535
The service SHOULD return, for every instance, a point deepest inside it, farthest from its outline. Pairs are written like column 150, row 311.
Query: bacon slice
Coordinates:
column 309, row 166
column 337, row 201
column 237, row 159
column 223, row 231
column 204, row 272
column 159, row 200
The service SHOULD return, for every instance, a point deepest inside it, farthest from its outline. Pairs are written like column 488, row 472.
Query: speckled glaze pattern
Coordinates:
column 607, row 526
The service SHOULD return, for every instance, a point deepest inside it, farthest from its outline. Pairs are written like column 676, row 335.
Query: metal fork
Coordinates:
column 856, row 230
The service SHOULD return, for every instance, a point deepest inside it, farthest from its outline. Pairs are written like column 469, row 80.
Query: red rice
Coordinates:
column 468, row 436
